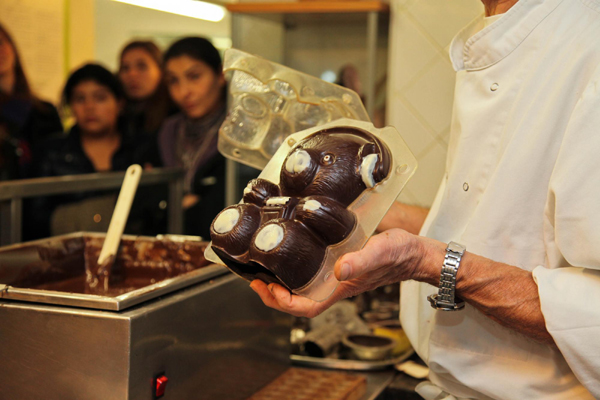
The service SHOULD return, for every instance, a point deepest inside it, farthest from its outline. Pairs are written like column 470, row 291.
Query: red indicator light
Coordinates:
column 161, row 384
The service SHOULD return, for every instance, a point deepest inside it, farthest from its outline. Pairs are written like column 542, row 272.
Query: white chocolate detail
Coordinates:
column 269, row 237
column 366, row 169
column 312, row 205
column 227, row 220
column 248, row 188
column 273, row 201
column 298, row 161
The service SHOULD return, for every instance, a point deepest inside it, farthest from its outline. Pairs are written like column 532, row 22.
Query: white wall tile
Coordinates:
column 416, row 136
column 424, row 184
column 421, row 84
column 415, row 51
column 432, row 94
column 443, row 19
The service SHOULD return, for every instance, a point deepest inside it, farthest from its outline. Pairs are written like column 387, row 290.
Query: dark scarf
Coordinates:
column 196, row 142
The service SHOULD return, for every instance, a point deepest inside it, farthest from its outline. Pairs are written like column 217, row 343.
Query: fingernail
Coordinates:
column 345, row 271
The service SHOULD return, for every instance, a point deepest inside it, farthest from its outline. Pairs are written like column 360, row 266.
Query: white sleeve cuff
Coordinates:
column 570, row 303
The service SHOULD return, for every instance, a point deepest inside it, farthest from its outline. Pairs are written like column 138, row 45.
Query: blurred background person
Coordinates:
column 194, row 76
column 148, row 102
column 349, row 77
column 24, row 118
column 94, row 144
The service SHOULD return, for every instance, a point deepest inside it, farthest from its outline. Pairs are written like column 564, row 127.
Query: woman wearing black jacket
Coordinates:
column 25, row 120
column 194, row 76
column 95, row 144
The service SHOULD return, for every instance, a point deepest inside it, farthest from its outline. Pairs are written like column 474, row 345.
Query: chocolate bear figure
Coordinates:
column 280, row 233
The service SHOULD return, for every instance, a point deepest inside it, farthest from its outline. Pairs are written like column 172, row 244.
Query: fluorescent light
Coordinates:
column 188, row 8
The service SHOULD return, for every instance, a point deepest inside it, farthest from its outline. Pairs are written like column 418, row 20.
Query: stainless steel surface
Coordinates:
column 323, row 340
column 79, row 183
column 16, row 212
column 126, row 300
column 112, row 303
column 231, row 183
column 5, row 222
column 175, row 210
column 231, row 167
column 350, row 365
column 380, row 351
column 376, row 383
column 372, row 28
column 12, row 193
column 214, row 340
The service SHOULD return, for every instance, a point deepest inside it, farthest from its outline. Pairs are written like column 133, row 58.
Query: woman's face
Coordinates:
column 193, row 85
column 7, row 56
column 139, row 73
column 95, row 107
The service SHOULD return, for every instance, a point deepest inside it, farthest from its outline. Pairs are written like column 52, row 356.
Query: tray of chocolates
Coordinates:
column 320, row 196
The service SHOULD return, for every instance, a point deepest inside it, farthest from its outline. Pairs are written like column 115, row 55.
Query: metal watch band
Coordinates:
column 445, row 299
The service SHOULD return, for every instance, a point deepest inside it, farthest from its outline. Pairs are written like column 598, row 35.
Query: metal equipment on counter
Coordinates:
column 200, row 335
column 12, row 194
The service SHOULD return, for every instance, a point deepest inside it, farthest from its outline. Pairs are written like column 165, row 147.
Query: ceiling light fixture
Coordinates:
column 188, row 8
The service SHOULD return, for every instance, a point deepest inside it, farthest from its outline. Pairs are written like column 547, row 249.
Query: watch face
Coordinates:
column 456, row 247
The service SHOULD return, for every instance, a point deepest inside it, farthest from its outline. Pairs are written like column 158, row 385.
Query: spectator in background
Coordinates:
column 194, row 76
column 348, row 77
column 24, row 118
column 148, row 102
column 95, row 144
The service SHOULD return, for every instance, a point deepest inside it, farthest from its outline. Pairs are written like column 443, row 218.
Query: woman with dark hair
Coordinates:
column 95, row 144
column 148, row 102
column 194, row 76
column 24, row 119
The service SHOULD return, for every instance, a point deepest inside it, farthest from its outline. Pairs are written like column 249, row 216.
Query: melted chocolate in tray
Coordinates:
column 70, row 265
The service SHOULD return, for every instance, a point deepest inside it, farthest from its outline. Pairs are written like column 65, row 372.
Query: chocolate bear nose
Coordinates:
column 298, row 161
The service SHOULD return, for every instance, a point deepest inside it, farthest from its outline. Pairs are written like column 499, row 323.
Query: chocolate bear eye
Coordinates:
column 328, row 159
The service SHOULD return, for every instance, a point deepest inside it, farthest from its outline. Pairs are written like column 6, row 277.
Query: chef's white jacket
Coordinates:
column 522, row 187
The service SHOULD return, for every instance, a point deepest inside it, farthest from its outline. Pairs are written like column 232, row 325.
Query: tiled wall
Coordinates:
column 421, row 84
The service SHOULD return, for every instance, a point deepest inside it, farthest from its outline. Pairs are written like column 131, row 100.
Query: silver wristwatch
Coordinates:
column 446, row 300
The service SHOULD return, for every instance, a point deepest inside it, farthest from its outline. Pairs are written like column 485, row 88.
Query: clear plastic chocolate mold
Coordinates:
column 267, row 102
column 321, row 195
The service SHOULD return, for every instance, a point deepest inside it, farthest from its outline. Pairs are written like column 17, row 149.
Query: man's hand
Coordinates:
column 505, row 293
column 389, row 257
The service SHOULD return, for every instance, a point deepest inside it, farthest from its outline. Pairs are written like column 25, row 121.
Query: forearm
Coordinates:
column 403, row 216
column 505, row 293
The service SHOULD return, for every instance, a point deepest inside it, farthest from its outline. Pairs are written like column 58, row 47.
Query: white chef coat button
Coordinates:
column 465, row 186
column 494, row 87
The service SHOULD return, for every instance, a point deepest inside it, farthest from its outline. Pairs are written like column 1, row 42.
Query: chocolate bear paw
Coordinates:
column 233, row 228
column 259, row 190
column 328, row 218
column 289, row 250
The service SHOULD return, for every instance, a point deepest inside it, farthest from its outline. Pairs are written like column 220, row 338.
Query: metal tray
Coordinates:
column 350, row 365
column 18, row 258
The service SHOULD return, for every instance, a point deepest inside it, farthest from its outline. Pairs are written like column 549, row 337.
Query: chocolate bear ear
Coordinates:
column 375, row 162
column 298, row 171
